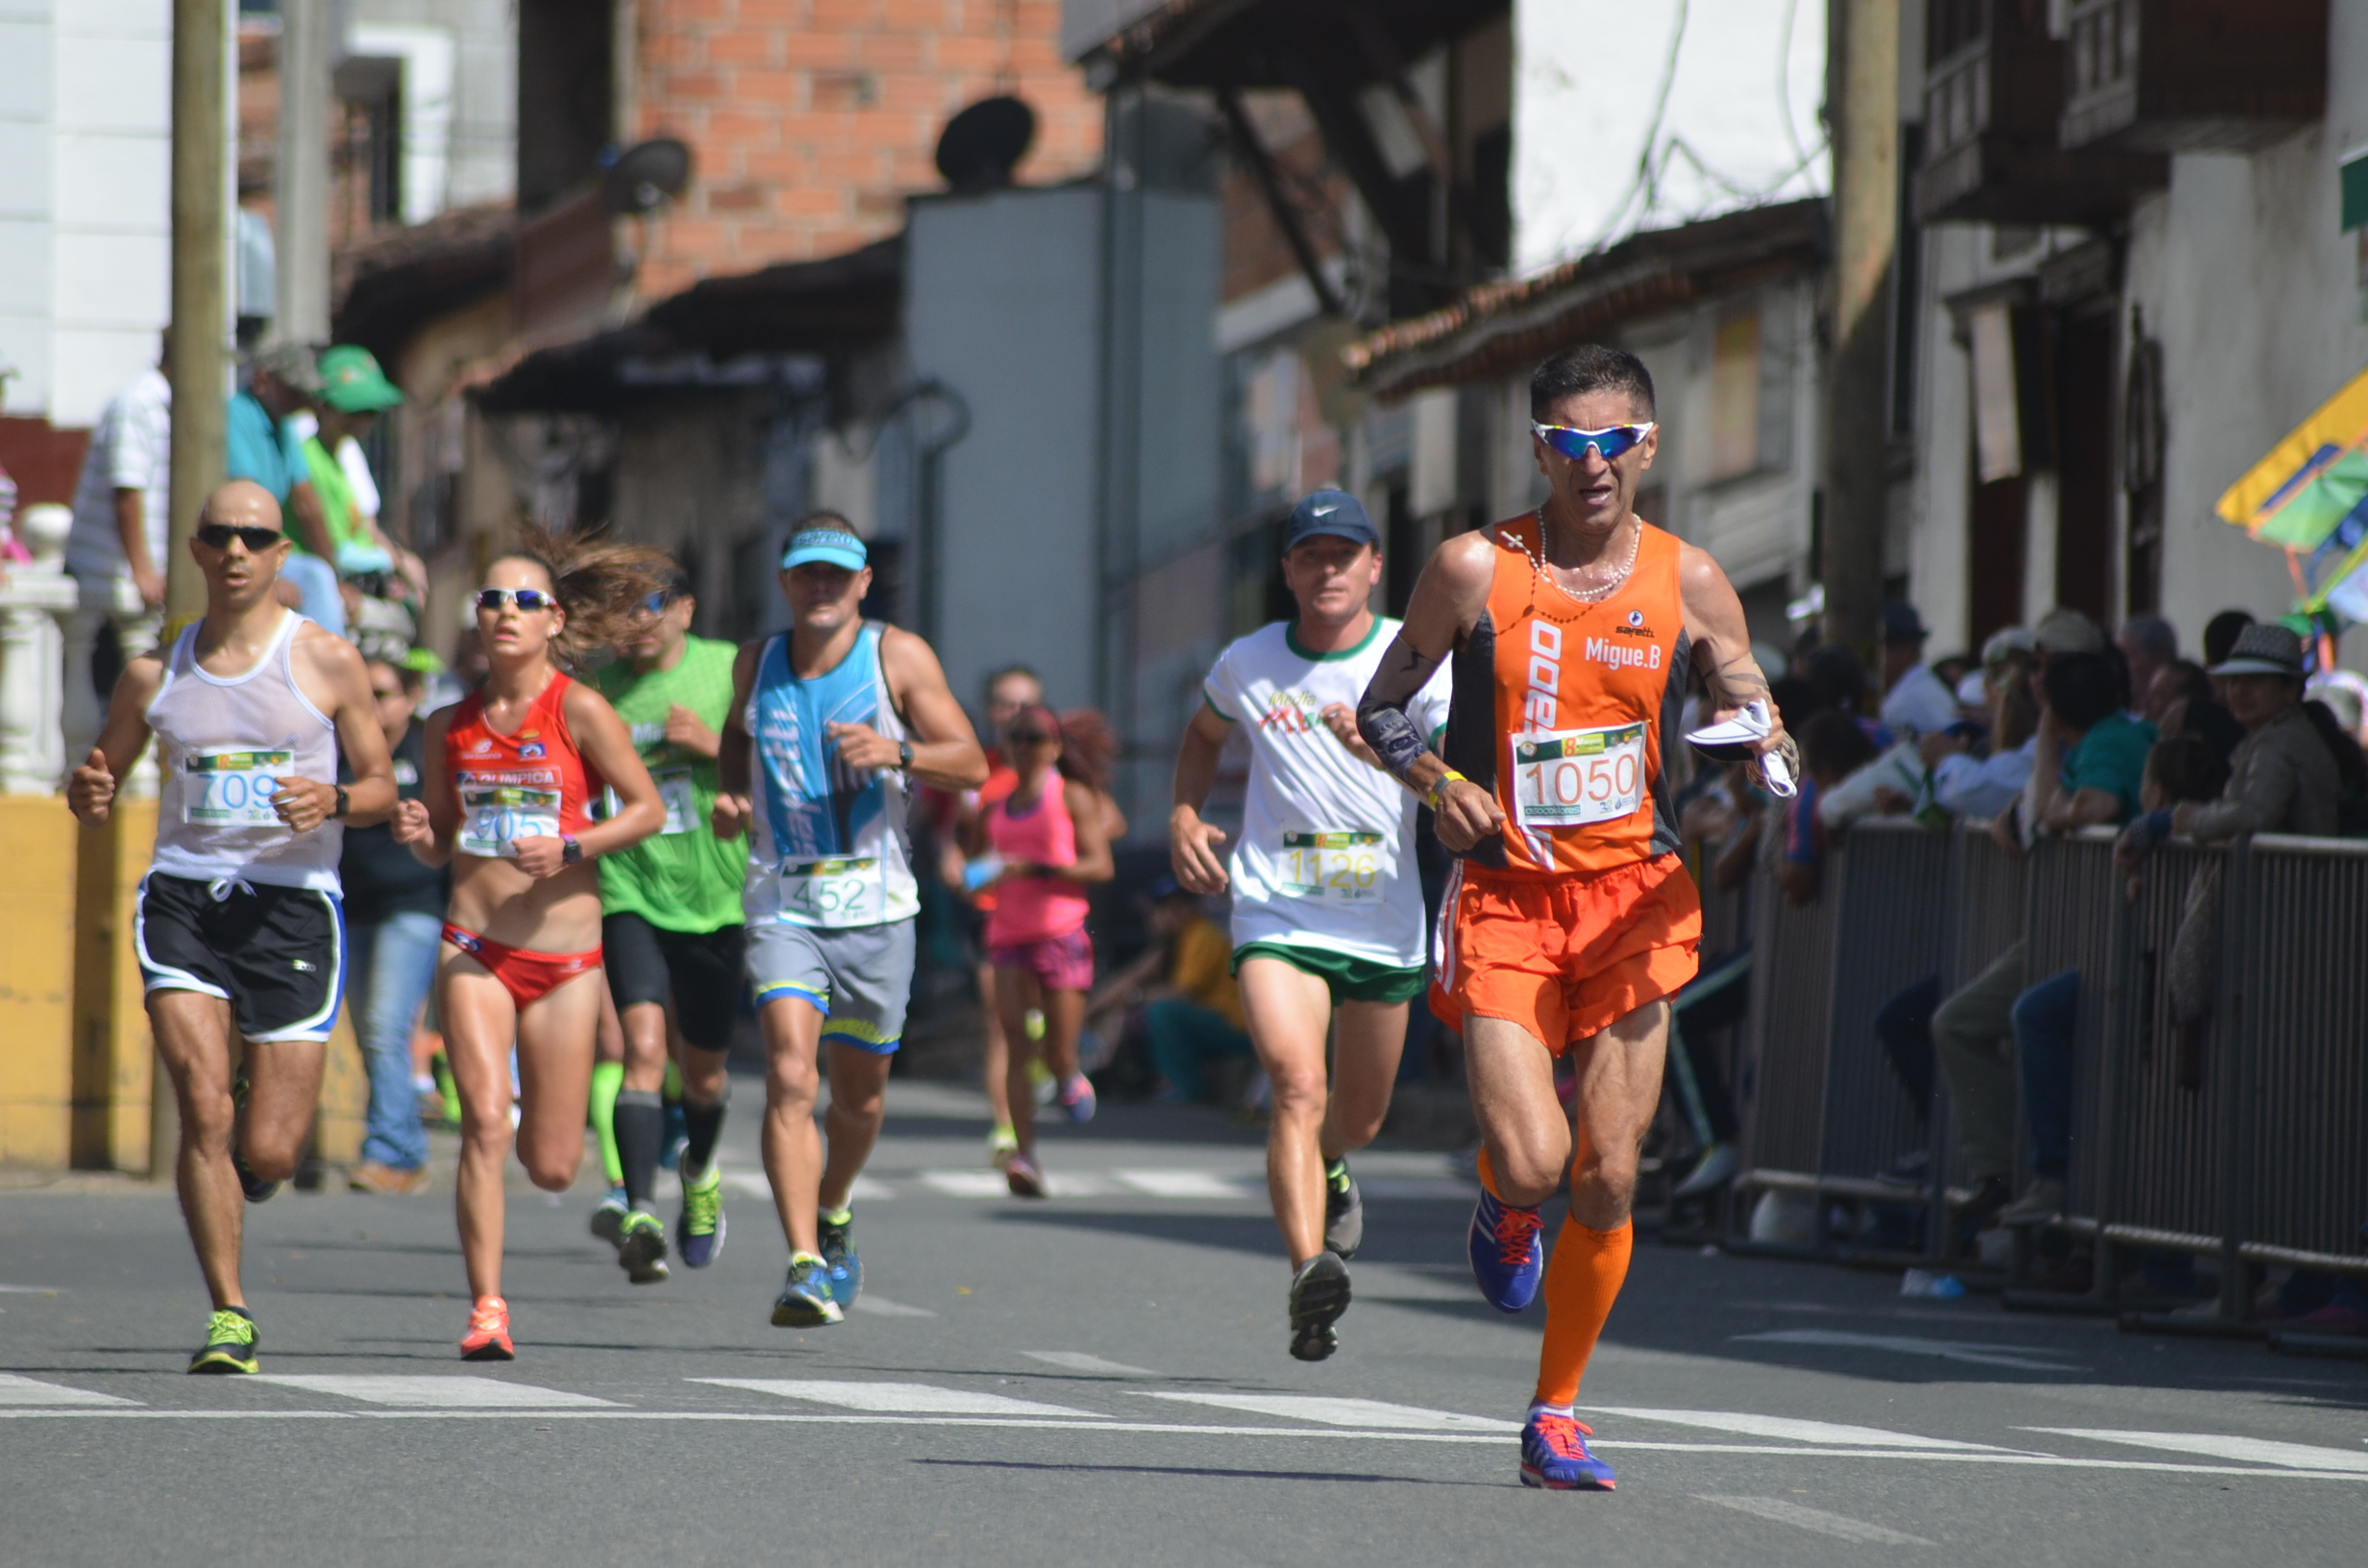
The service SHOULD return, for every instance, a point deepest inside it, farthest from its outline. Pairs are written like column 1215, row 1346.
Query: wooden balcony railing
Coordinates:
column 2165, row 75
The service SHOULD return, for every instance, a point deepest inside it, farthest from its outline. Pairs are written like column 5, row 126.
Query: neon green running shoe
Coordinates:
column 641, row 1248
column 231, row 1341
column 699, row 1233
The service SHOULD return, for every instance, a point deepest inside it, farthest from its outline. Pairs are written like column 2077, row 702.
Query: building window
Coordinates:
column 1735, row 394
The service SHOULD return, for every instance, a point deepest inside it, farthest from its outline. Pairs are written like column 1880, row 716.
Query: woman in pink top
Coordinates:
column 1050, row 833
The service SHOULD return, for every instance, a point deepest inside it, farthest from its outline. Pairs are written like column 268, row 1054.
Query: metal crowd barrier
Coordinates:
column 2246, row 1137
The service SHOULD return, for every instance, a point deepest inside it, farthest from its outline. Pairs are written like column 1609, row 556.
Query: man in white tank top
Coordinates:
column 240, row 929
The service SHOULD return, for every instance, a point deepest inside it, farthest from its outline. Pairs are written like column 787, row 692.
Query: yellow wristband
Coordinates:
column 1439, row 786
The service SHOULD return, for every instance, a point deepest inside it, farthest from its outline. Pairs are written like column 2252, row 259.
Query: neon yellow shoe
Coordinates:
column 231, row 1341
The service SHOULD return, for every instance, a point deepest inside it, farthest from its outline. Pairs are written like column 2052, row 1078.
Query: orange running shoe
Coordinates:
column 488, row 1336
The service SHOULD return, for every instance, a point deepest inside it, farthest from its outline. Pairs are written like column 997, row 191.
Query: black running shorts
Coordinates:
column 700, row 969
column 276, row 954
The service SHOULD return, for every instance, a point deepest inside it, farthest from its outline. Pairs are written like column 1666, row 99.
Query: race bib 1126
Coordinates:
column 1339, row 865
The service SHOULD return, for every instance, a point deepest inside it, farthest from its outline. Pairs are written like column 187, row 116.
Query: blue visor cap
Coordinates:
column 828, row 546
column 1335, row 512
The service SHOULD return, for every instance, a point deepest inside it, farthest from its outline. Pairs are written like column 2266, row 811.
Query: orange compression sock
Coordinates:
column 1488, row 1175
column 1582, row 1279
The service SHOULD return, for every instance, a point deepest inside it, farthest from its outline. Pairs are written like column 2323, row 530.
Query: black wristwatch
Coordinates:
column 342, row 802
column 904, row 756
column 571, row 853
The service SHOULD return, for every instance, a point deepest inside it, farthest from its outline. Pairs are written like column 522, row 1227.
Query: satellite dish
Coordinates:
column 643, row 178
column 980, row 146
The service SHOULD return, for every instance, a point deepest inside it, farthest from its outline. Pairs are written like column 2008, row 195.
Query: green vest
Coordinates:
column 683, row 878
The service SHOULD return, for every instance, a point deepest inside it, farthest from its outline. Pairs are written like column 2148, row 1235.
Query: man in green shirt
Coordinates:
column 671, row 926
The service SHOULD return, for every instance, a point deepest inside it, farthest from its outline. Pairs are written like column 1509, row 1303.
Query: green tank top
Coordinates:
column 681, row 879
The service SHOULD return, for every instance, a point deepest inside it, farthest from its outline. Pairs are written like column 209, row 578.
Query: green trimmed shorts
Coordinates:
column 1351, row 979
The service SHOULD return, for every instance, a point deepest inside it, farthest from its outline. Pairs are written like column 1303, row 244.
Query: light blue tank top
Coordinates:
column 829, row 847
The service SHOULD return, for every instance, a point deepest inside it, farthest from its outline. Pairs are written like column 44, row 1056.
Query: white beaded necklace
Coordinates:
column 1584, row 595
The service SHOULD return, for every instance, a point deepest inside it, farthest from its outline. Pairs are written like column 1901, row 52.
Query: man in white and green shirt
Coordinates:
column 1327, row 907
column 670, row 931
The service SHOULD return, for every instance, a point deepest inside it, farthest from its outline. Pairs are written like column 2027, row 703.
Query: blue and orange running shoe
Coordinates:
column 1554, row 1455
column 1507, row 1258
column 1077, row 1098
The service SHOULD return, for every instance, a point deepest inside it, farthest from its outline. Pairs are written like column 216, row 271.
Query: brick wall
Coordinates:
column 811, row 120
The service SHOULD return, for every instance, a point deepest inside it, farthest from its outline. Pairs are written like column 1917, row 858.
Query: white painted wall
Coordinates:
column 459, row 95
column 1742, row 79
column 85, row 199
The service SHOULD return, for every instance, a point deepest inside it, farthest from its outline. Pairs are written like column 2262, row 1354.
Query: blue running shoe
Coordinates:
column 699, row 1233
column 678, row 1138
column 1554, row 1455
column 1076, row 1097
column 806, row 1302
column 1507, row 1258
column 838, row 1242
column 609, row 1220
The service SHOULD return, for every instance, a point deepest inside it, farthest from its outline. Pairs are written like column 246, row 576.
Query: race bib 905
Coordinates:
column 1337, row 865
column 1568, row 778
column 232, row 789
column 495, row 815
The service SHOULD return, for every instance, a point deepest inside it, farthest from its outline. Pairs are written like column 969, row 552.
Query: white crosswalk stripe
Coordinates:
column 1344, row 1412
column 882, row 1307
column 1190, row 1184
column 754, row 1183
column 1747, row 1425
column 16, row 1390
column 1077, row 1361
column 1978, row 1352
column 1840, row 1526
column 2258, row 1450
column 438, row 1391
column 893, row 1398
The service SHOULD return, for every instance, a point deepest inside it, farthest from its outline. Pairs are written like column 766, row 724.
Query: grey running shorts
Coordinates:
column 859, row 977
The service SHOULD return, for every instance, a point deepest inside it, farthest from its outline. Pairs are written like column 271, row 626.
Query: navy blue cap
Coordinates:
column 1335, row 512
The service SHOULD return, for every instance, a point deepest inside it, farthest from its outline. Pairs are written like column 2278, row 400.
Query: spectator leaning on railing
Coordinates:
column 2087, row 769
column 2288, row 776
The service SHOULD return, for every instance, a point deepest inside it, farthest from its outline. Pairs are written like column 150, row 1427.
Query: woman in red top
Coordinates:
column 510, row 768
column 1051, row 834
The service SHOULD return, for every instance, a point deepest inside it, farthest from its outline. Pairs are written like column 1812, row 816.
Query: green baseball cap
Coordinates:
column 352, row 383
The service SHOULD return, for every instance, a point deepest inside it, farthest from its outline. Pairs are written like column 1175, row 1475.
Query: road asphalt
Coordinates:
column 1098, row 1377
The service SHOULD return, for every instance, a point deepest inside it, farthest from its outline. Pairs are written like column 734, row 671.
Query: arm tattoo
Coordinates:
column 1738, row 677
column 1381, row 712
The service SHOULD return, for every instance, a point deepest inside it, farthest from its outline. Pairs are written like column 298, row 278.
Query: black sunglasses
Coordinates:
column 528, row 598
column 218, row 536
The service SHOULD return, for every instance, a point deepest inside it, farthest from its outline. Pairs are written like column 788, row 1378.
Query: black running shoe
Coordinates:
column 230, row 1343
column 1318, row 1295
column 1344, row 1212
column 257, row 1190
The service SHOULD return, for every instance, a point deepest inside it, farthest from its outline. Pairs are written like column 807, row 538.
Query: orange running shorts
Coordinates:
column 1565, row 957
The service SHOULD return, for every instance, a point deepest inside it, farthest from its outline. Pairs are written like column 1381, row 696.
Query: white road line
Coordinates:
column 2261, row 1451
column 2042, row 1462
column 1344, row 1412
column 1840, row 1524
column 903, row 1398
column 438, row 1391
column 16, row 1390
column 30, row 1291
column 1945, row 1350
column 1197, row 1185
column 1077, row 1361
column 1780, row 1426
column 753, row 1183
column 882, row 1307
column 967, row 1184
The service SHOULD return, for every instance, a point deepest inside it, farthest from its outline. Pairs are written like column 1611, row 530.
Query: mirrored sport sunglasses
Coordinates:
column 526, row 599
column 1609, row 442
column 218, row 536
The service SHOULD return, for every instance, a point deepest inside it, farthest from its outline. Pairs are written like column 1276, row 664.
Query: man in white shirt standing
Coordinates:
column 121, row 505
column 1328, row 928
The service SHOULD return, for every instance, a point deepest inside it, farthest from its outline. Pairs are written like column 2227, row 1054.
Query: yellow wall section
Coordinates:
column 38, row 840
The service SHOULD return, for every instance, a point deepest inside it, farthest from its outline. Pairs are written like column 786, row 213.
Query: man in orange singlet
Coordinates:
column 1570, row 920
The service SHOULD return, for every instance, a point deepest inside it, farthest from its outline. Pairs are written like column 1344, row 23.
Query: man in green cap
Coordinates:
column 353, row 392
column 671, row 928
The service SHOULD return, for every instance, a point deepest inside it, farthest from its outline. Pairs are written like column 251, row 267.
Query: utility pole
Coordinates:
column 1863, row 117
column 201, row 322
column 300, row 176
